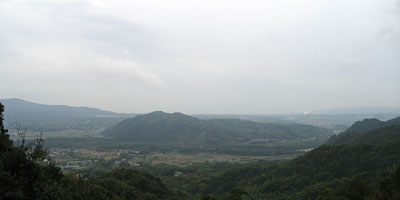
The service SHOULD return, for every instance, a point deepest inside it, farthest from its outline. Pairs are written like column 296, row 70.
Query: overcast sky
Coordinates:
column 208, row 56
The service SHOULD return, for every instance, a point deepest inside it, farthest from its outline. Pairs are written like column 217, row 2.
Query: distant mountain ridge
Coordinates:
column 160, row 127
column 358, row 111
column 20, row 105
column 41, row 117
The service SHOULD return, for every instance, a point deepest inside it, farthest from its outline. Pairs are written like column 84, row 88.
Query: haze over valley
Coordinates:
column 200, row 100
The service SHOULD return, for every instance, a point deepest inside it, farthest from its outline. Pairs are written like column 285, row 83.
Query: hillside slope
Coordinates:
column 26, row 174
column 356, row 169
column 41, row 117
column 160, row 127
column 363, row 131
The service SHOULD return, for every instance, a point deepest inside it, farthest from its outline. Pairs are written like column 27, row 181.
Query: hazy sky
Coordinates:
column 208, row 56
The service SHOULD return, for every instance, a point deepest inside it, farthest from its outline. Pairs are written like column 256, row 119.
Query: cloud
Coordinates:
column 221, row 55
column 125, row 72
column 65, row 37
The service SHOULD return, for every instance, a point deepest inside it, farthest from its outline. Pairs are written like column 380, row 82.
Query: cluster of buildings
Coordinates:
column 78, row 164
column 58, row 154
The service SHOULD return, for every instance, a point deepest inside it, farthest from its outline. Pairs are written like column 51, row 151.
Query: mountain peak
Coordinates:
column 367, row 125
column 361, row 128
column 158, row 112
column 164, row 115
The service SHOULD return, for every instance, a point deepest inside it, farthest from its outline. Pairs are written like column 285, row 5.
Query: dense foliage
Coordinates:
column 132, row 184
column 27, row 173
column 361, row 163
column 24, row 173
column 362, row 167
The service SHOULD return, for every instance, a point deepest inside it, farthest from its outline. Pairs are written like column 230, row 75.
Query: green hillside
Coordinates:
column 360, row 163
column 363, row 131
column 26, row 172
column 370, row 124
column 160, row 127
column 366, row 167
column 132, row 184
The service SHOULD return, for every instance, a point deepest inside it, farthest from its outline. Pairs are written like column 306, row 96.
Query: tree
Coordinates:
column 5, row 142
column 25, row 172
column 236, row 194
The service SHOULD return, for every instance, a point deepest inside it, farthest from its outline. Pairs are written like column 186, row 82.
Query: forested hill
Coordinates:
column 370, row 124
column 364, row 130
column 41, row 117
column 26, row 173
column 367, row 167
column 160, row 127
